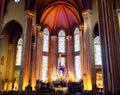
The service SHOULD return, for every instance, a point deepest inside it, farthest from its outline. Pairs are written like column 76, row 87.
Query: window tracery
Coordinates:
column 61, row 42
column 97, row 50
column 46, row 40
column 19, row 52
column 76, row 40
column 77, row 57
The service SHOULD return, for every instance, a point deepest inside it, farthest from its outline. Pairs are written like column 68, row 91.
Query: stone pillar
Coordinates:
column 89, row 66
column 33, row 66
column 117, row 27
column 53, row 56
column 2, row 5
column 1, row 59
column 1, row 45
column 10, row 62
column 117, row 36
column 26, row 52
column 110, row 47
column 81, row 28
column 70, row 57
column 2, row 2
column 39, row 54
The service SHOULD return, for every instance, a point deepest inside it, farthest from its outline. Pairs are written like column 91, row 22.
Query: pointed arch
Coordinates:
column 76, row 40
column 77, row 61
column 44, row 71
column 97, row 50
column 46, row 40
column 61, row 41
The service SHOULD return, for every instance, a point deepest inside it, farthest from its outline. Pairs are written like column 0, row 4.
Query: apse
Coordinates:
column 60, row 15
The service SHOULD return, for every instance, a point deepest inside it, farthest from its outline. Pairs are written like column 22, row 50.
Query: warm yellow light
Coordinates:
column 87, row 82
column 24, row 85
column 71, row 77
column 88, row 85
column 33, row 84
column 25, row 82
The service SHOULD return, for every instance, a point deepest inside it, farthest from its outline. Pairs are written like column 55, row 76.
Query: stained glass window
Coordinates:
column 19, row 52
column 46, row 40
column 44, row 68
column 97, row 50
column 77, row 67
column 76, row 40
column 61, row 42
column 61, row 61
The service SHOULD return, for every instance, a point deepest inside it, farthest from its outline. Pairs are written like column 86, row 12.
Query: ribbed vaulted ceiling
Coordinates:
column 60, row 15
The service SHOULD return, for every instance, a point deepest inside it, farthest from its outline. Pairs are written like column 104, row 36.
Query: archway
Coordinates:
column 12, row 32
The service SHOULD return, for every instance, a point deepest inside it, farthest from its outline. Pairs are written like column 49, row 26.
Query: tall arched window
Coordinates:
column 77, row 67
column 18, row 62
column 76, row 40
column 46, row 40
column 77, row 54
column 98, row 62
column 45, row 55
column 19, row 52
column 97, row 50
column 61, row 42
column 61, row 52
column 44, row 68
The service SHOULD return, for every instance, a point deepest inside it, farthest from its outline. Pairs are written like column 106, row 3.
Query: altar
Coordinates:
column 64, row 89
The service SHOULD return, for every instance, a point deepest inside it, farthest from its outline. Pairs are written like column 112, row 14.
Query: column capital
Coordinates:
column 87, row 13
column 41, row 34
column 29, row 14
column 38, row 27
column 69, row 37
column 81, row 27
column 53, row 37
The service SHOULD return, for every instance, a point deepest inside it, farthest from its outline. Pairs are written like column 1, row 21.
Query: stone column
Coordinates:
column 110, row 47
column 1, row 60
column 70, row 57
column 2, row 5
column 10, row 62
column 33, row 66
column 117, row 27
column 117, row 36
column 39, row 54
column 53, row 56
column 1, row 45
column 89, row 66
column 2, row 2
column 26, row 52
column 117, row 13
column 81, row 28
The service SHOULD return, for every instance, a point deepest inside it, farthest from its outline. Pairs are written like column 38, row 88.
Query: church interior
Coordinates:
column 68, row 45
